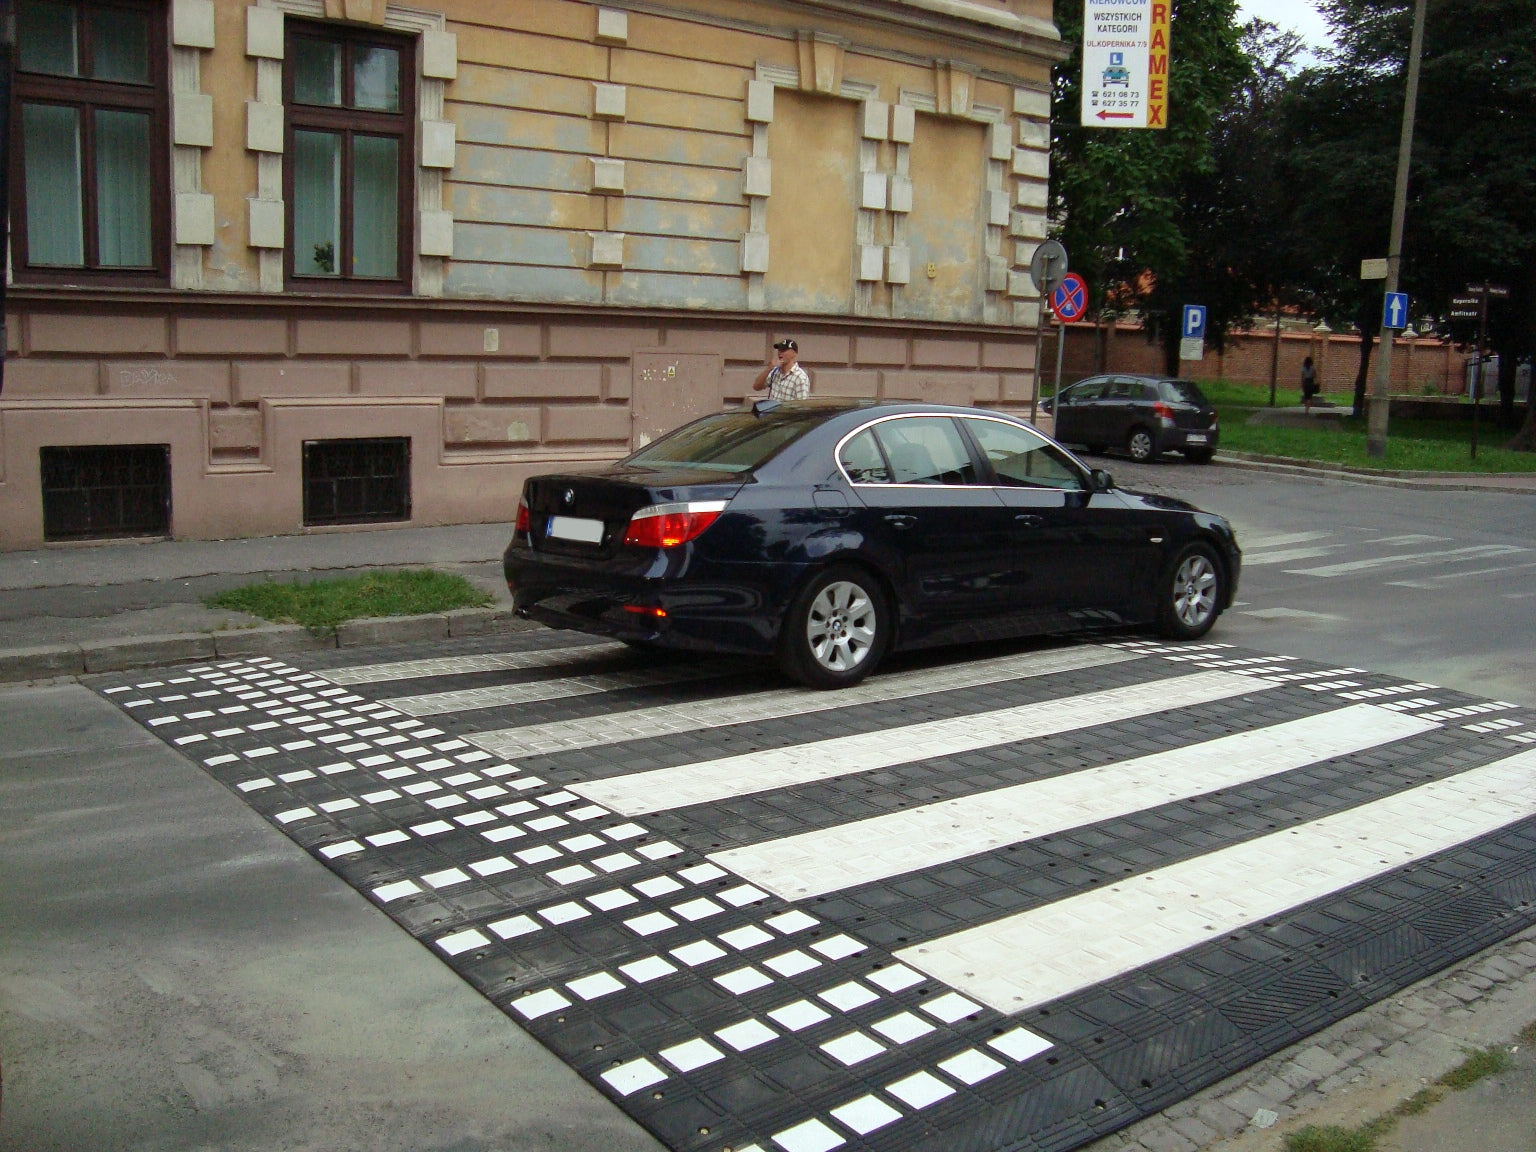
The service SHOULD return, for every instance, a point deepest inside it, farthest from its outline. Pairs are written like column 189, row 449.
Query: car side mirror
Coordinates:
column 1102, row 480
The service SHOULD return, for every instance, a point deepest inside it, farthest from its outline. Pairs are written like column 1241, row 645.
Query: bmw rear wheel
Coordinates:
column 1141, row 446
column 1190, row 598
column 837, row 629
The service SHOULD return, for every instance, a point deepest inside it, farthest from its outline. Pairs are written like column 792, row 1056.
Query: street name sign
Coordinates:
column 1125, row 63
column 1374, row 269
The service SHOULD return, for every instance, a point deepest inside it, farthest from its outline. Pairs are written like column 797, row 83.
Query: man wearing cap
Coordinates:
column 784, row 378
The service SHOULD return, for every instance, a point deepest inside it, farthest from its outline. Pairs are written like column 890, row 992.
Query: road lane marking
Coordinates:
column 864, row 851
column 1448, row 556
column 1023, row 961
column 1434, row 582
column 710, row 781
column 1260, row 542
column 1262, row 559
column 643, row 723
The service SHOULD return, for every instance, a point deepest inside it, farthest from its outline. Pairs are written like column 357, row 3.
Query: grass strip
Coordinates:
column 320, row 605
column 1480, row 1062
column 1413, row 445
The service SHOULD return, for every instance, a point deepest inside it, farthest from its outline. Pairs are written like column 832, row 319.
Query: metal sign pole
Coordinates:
column 1061, row 344
column 1034, row 393
column 1482, row 362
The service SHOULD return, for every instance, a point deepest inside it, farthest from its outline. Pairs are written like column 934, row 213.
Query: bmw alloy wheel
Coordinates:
column 841, row 627
column 1195, row 585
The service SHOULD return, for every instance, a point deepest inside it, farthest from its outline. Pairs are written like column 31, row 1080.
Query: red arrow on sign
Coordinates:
column 1116, row 115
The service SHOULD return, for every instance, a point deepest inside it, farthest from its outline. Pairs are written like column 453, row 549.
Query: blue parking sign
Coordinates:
column 1394, row 310
column 1193, row 327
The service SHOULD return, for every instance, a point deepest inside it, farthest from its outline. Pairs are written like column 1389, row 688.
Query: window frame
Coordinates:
column 350, row 122
column 88, row 95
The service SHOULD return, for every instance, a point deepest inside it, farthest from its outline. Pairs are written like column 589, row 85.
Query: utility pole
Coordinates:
column 1380, row 401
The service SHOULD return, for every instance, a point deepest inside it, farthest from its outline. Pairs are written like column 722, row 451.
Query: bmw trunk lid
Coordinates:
column 588, row 514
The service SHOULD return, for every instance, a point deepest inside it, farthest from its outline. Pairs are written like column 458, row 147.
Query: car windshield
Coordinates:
column 1182, row 392
column 729, row 442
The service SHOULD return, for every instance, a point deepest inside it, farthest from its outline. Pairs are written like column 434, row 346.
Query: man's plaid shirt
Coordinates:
column 791, row 385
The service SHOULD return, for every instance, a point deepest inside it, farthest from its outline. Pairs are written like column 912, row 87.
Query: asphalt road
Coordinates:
column 1440, row 586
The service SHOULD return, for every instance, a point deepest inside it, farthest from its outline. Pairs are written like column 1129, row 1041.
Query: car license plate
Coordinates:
column 575, row 528
column 1194, row 437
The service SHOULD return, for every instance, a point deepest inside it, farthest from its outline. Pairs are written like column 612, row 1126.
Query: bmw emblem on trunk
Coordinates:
column 570, row 496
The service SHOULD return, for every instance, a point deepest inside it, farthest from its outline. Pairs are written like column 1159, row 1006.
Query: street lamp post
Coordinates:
column 1381, row 382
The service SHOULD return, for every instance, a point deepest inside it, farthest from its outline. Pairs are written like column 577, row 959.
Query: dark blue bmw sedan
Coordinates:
column 826, row 534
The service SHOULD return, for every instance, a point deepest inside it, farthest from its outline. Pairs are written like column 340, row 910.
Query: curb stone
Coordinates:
column 1419, row 481
column 51, row 661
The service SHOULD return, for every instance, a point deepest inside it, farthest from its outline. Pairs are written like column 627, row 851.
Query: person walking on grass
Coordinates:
column 784, row 378
column 1308, row 383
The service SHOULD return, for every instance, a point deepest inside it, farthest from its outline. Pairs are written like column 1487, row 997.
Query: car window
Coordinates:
column 1082, row 393
column 1182, row 392
column 862, row 461
column 1146, row 393
column 1120, row 389
column 1023, row 459
column 728, row 442
column 925, row 450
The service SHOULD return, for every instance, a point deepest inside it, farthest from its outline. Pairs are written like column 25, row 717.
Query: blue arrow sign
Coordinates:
column 1193, row 327
column 1394, row 310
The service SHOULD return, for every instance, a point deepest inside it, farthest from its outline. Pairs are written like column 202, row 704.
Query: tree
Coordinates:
column 1471, row 215
column 1235, row 210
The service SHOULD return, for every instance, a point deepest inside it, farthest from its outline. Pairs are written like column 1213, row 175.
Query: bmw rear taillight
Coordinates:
column 668, row 525
column 524, row 521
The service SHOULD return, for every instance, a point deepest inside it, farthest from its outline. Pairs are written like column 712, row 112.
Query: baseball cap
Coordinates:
column 781, row 345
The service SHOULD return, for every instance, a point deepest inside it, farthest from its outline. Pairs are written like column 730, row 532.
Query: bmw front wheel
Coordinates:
column 1191, row 594
column 837, row 629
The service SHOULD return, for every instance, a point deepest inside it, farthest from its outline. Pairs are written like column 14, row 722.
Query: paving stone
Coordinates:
column 1318, row 1061
column 1221, row 1117
column 1192, row 1128
column 1164, row 1138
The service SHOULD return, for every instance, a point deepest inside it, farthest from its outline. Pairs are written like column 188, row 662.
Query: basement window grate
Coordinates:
column 99, row 492
column 357, row 481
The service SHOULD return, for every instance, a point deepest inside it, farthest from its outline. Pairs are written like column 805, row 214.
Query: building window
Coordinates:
column 350, row 100
column 357, row 481
column 90, row 169
column 97, row 492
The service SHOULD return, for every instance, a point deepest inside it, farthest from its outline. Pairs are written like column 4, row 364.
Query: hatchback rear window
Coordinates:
column 729, row 442
column 1182, row 392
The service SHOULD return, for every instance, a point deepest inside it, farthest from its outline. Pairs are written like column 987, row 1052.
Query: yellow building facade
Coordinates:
column 296, row 264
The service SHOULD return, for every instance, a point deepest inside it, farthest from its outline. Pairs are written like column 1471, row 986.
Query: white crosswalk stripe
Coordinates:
column 461, row 665
column 564, row 688
column 1027, row 960
column 716, row 780
column 778, row 703
column 827, row 860
column 1375, row 563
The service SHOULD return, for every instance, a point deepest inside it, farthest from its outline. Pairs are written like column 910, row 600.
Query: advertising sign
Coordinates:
column 1125, row 63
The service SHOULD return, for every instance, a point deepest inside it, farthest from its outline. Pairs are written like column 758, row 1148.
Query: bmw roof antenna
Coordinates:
column 767, row 404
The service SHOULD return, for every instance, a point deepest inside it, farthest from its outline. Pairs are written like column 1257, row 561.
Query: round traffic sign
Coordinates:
column 1070, row 300
column 1047, row 266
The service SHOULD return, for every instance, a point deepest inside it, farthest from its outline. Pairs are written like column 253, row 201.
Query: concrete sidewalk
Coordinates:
column 73, row 609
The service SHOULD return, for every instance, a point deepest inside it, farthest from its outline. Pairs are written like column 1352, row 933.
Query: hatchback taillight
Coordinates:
column 524, row 521
column 1162, row 411
column 668, row 525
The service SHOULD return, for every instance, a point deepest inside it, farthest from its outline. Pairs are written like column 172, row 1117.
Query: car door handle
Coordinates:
column 900, row 520
column 1029, row 520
